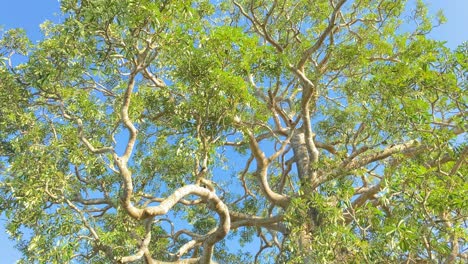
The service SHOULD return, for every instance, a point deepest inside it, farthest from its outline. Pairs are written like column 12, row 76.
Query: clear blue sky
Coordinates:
column 28, row 14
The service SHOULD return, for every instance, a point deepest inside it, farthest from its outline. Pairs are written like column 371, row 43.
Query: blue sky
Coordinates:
column 29, row 14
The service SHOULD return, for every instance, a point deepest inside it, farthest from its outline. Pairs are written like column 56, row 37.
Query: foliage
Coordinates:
column 291, row 131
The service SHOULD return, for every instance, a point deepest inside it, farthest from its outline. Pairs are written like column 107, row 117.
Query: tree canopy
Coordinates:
column 146, row 131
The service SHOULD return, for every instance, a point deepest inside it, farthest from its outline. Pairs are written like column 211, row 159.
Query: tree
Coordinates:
column 326, row 131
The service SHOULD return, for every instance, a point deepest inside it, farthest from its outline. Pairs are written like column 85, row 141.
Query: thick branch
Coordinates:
column 271, row 223
column 262, row 173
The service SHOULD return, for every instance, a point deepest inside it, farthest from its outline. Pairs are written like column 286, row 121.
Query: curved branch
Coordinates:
column 126, row 119
column 262, row 173
column 143, row 246
column 123, row 160
column 88, row 144
column 213, row 202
